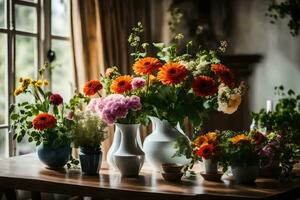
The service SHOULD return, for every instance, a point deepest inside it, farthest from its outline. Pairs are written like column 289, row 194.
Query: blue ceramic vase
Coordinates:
column 54, row 157
column 90, row 160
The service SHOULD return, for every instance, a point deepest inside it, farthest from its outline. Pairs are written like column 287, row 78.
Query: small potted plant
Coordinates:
column 206, row 148
column 241, row 154
column 44, row 120
column 88, row 132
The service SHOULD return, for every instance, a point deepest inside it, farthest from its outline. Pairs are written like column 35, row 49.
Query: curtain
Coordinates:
column 100, row 29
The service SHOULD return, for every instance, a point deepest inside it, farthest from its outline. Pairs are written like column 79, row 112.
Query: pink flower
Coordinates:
column 138, row 83
column 56, row 99
column 70, row 115
column 91, row 107
column 134, row 103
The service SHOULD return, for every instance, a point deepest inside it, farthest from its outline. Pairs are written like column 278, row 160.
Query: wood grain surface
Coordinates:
column 27, row 173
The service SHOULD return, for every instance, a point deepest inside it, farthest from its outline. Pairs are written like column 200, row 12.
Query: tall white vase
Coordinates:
column 115, row 145
column 159, row 146
column 129, row 158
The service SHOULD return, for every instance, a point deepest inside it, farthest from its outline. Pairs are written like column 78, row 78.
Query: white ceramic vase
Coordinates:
column 159, row 146
column 129, row 158
column 115, row 145
column 245, row 174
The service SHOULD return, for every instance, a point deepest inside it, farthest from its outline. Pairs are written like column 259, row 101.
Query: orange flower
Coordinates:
column 206, row 150
column 239, row 138
column 92, row 87
column 43, row 121
column 212, row 137
column 121, row 84
column 146, row 66
column 172, row 73
column 224, row 73
column 204, row 86
column 199, row 141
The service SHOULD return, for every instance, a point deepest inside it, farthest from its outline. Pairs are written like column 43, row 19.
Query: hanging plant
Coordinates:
column 286, row 9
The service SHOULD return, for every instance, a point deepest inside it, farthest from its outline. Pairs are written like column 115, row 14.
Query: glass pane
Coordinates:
column 25, row 147
column 63, row 72
column 33, row 1
column 26, row 60
column 26, row 18
column 3, row 143
column 3, row 13
column 3, row 79
column 60, row 19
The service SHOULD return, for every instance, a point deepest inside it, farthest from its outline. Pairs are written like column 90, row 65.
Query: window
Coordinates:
column 29, row 29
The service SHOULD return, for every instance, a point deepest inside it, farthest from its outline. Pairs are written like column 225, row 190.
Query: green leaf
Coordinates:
column 19, row 138
column 14, row 116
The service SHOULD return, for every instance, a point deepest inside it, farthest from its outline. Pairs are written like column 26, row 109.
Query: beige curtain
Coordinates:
column 100, row 29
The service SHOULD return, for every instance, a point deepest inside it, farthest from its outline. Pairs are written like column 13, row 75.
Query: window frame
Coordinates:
column 43, row 37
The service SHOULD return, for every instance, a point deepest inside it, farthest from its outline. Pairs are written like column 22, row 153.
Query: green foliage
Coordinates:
column 88, row 130
column 286, row 9
column 135, row 42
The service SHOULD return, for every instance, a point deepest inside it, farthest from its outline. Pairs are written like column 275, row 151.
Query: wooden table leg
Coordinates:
column 10, row 194
column 36, row 195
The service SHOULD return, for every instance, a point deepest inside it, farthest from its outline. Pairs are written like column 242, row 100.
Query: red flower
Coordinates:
column 224, row 73
column 206, row 150
column 56, row 99
column 204, row 86
column 92, row 87
column 172, row 73
column 43, row 121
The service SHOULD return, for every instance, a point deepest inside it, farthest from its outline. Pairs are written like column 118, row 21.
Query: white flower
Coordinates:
column 228, row 99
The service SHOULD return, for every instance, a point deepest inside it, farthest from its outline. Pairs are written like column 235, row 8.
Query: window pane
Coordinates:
column 60, row 19
column 3, row 79
column 26, row 18
column 3, row 13
column 26, row 60
column 63, row 72
column 34, row 1
column 24, row 147
column 3, row 143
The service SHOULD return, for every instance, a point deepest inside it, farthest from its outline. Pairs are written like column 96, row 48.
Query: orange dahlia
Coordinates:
column 239, row 138
column 92, row 87
column 172, row 73
column 200, row 140
column 204, row 86
column 206, row 150
column 121, row 84
column 224, row 73
column 43, row 121
column 146, row 66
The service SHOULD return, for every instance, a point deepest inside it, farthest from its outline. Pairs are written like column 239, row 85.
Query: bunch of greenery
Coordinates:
column 284, row 121
column 286, row 9
column 88, row 130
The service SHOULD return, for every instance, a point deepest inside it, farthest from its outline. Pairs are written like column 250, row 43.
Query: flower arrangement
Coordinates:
column 240, row 149
column 43, row 121
column 283, row 124
column 207, row 146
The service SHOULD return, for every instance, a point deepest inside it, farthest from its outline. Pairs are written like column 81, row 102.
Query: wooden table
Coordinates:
column 27, row 173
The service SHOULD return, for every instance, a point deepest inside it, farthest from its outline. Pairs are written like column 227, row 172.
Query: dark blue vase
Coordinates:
column 54, row 157
column 90, row 160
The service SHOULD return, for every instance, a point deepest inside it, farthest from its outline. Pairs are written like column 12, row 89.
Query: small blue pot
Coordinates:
column 90, row 160
column 54, row 157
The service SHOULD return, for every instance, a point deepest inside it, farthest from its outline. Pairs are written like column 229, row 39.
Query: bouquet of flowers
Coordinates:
column 207, row 146
column 44, row 121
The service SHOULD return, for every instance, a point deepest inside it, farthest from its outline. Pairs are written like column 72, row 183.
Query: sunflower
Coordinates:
column 239, row 138
column 172, row 73
column 206, row 150
column 204, row 86
column 146, row 66
column 43, row 121
column 121, row 84
column 212, row 136
column 92, row 87
column 224, row 73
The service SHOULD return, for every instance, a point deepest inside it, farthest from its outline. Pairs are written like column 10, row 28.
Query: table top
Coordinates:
column 26, row 172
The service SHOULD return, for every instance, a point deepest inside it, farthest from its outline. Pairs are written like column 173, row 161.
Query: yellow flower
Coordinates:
column 239, row 138
column 212, row 136
column 39, row 83
column 45, row 82
column 18, row 91
column 26, row 82
column 199, row 141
